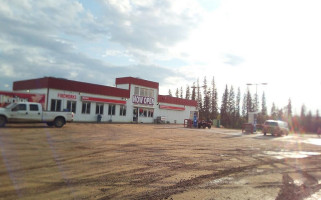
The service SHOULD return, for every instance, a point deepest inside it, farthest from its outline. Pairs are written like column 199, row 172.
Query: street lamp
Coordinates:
column 256, row 104
column 256, row 84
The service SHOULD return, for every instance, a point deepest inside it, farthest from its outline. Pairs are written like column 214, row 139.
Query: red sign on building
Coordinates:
column 143, row 100
column 11, row 97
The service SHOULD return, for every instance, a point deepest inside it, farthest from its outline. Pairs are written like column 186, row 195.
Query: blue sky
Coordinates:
column 173, row 42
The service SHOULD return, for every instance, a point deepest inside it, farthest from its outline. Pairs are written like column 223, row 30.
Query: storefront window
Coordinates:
column 85, row 108
column 100, row 109
column 122, row 111
column 111, row 109
column 71, row 106
column 145, row 112
column 151, row 113
column 55, row 105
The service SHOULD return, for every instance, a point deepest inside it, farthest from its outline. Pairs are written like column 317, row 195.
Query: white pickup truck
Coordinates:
column 28, row 112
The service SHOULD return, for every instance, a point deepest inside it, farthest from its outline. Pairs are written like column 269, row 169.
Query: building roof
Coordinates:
column 137, row 81
column 175, row 100
column 64, row 84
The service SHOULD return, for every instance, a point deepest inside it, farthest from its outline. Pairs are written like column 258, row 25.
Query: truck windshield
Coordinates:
column 11, row 105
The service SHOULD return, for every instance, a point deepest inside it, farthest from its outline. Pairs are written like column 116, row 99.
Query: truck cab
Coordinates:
column 29, row 112
column 22, row 112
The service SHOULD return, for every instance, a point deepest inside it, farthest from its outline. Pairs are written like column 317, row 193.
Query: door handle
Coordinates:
column 26, row 113
column 38, row 113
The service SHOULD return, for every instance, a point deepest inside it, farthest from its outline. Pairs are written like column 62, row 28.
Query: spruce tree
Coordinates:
column 264, row 109
column 274, row 111
column 237, row 109
column 187, row 94
column 170, row 92
column 193, row 97
column 177, row 93
column 231, row 108
column 181, row 93
column 214, row 110
column 224, row 117
column 249, row 103
column 289, row 108
column 244, row 106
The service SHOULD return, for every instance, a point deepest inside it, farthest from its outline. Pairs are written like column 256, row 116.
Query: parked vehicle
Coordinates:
column 275, row 127
column 204, row 124
column 29, row 112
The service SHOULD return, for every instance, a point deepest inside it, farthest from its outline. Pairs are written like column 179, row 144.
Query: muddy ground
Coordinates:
column 136, row 161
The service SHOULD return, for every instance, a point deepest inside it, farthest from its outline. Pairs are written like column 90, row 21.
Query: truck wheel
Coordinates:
column 59, row 122
column 2, row 121
column 264, row 133
column 209, row 127
column 50, row 124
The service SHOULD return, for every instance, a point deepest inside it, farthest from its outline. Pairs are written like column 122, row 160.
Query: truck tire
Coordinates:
column 50, row 124
column 209, row 127
column 3, row 121
column 59, row 122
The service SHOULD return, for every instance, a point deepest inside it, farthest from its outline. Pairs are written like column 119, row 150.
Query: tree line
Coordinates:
column 235, row 107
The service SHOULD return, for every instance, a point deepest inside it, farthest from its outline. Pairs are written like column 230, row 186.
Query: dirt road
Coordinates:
column 135, row 161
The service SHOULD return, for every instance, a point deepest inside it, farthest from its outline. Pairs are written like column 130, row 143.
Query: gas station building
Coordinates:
column 133, row 100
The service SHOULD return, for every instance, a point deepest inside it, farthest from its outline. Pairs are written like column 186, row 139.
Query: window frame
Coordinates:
column 123, row 110
column 99, row 108
column 72, row 108
column 55, row 105
column 86, row 109
column 111, row 109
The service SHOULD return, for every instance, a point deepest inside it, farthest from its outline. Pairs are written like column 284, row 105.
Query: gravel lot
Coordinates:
column 139, row 161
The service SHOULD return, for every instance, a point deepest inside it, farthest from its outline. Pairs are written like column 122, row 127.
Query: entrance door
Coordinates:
column 135, row 115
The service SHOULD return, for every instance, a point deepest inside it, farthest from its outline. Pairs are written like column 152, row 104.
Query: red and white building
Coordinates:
column 132, row 100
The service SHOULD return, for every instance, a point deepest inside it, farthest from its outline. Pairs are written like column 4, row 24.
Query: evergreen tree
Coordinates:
column 244, row 106
column 214, row 111
column 170, row 92
column 231, row 107
column 187, row 94
column 206, row 102
column 289, row 109
column 224, row 117
column 181, row 93
column 177, row 93
column 206, row 107
column 199, row 98
column 274, row 112
column 249, row 103
column 237, row 109
column 308, row 122
column 264, row 109
column 193, row 97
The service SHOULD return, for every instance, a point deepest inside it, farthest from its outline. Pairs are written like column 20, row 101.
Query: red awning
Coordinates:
column 171, row 107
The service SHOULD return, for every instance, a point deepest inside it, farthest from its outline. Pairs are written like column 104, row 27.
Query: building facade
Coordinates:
column 132, row 100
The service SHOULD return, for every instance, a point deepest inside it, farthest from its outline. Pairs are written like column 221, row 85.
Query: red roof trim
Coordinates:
column 171, row 107
column 114, row 101
column 137, row 81
column 69, row 85
column 175, row 100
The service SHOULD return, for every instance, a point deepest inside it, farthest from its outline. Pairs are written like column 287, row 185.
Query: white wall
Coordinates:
column 176, row 115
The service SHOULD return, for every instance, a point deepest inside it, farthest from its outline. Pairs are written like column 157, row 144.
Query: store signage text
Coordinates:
column 67, row 96
column 143, row 100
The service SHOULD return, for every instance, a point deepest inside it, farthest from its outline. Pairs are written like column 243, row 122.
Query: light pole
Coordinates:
column 254, row 117
column 256, row 84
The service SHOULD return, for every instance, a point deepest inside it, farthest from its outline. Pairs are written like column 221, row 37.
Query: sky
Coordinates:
column 173, row 42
